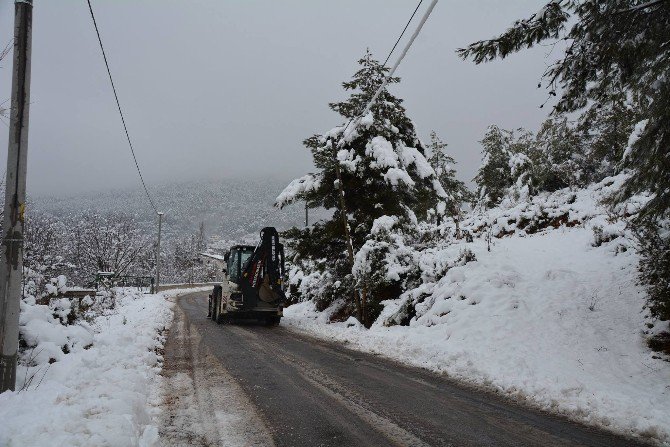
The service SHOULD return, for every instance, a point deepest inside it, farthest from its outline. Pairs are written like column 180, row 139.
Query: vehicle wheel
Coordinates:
column 272, row 321
column 220, row 319
column 215, row 308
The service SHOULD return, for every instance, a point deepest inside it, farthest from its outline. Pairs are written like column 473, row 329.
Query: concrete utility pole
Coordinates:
column 11, row 259
column 158, row 252
column 306, row 215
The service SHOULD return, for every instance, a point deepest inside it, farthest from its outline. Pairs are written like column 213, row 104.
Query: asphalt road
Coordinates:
column 309, row 392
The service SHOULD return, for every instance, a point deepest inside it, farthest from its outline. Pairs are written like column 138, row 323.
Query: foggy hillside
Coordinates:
column 230, row 209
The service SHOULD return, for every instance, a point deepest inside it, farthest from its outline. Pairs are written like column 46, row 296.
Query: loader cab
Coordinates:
column 237, row 257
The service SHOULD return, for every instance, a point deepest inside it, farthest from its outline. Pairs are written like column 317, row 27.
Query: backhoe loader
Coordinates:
column 253, row 285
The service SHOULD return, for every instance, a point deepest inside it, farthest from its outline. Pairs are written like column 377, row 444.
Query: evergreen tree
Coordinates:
column 654, row 265
column 563, row 154
column 494, row 175
column 605, row 129
column 443, row 165
column 615, row 46
column 377, row 161
column 526, row 163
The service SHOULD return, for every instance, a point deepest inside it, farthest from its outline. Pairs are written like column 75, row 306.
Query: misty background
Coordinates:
column 229, row 89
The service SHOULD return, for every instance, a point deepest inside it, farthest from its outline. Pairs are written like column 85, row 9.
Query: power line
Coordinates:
column 402, row 55
column 118, row 104
column 356, row 119
column 403, row 33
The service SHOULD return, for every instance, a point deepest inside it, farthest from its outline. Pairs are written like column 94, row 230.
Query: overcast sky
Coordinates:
column 230, row 88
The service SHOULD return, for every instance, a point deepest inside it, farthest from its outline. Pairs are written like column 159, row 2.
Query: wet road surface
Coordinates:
column 309, row 392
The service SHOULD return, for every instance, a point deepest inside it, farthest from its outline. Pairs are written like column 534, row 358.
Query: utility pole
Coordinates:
column 306, row 215
column 11, row 259
column 158, row 252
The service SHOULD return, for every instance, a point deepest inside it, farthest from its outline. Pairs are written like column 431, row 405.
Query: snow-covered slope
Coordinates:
column 549, row 315
column 98, row 392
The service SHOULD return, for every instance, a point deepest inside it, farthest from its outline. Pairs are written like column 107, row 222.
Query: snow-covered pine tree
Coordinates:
column 443, row 165
column 383, row 169
column 613, row 45
column 526, row 164
column 494, row 176
column 605, row 129
column 562, row 151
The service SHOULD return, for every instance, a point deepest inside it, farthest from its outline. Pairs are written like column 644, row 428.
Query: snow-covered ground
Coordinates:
column 548, row 318
column 97, row 393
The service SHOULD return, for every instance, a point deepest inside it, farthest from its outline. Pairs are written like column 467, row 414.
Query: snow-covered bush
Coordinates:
column 90, row 383
column 384, row 266
column 456, row 191
column 49, row 326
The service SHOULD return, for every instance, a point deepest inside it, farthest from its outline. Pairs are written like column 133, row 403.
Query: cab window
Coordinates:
column 245, row 257
column 234, row 266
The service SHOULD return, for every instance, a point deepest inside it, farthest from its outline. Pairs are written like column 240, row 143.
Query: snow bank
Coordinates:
column 97, row 393
column 552, row 316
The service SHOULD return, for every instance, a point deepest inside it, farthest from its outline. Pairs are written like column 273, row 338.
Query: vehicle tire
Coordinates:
column 272, row 321
column 215, row 309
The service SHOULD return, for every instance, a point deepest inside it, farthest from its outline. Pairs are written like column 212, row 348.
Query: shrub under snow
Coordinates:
column 86, row 382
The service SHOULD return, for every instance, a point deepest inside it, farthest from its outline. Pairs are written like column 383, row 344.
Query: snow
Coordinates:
column 382, row 153
column 411, row 155
column 550, row 316
column 634, row 136
column 368, row 120
column 213, row 256
column 394, row 176
column 348, row 159
column 383, row 223
column 296, row 188
column 97, row 393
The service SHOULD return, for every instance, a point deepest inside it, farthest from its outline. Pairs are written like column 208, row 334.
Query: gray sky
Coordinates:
column 230, row 88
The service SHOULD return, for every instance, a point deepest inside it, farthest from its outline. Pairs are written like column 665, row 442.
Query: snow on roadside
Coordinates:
column 96, row 394
column 549, row 318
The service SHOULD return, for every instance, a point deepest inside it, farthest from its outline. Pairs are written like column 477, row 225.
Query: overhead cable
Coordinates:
column 381, row 88
column 118, row 105
column 403, row 33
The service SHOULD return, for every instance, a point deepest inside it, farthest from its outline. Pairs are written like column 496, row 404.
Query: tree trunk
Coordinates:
column 347, row 234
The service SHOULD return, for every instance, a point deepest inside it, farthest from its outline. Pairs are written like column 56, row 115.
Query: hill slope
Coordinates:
column 230, row 209
column 551, row 314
